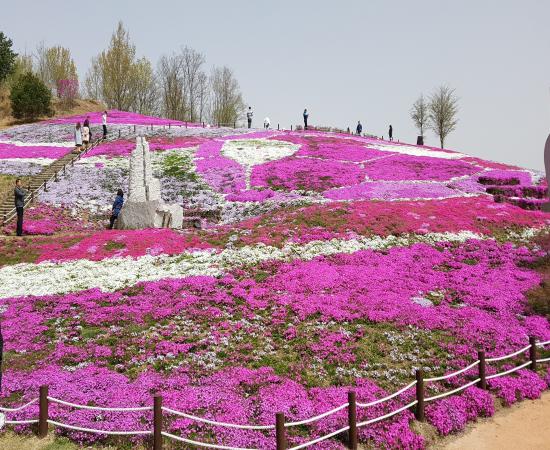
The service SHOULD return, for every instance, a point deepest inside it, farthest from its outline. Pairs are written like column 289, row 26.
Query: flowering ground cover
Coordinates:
column 338, row 262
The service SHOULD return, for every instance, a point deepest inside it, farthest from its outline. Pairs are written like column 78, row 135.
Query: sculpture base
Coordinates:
column 149, row 214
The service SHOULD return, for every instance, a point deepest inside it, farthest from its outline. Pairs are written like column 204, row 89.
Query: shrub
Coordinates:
column 30, row 97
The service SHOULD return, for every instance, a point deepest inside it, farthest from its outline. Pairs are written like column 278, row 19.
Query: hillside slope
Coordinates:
column 324, row 263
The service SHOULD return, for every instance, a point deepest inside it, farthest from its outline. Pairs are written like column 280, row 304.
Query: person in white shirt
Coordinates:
column 78, row 137
column 104, row 123
column 266, row 123
column 85, row 136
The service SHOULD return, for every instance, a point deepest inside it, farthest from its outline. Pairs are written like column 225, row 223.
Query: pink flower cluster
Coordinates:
column 32, row 151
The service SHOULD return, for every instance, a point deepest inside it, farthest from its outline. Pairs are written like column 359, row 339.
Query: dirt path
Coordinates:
column 525, row 426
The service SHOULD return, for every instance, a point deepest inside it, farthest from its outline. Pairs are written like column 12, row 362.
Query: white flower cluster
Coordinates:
column 115, row 273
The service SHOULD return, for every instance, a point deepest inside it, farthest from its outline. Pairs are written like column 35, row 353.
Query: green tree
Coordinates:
column 226, row 98
column 30, row 98
column 7, row 57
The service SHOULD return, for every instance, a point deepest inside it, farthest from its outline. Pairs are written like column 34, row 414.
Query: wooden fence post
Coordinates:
column 352, row 420
column 277, row 127
column 482, row 384
column 280, row 431
column 43, row 412
column 168, row 125
column 134, row 128
column 119, row 133
column 45, row 186
column 533, row 353
column 419, row 411
column 157, row 422
column 290, row 127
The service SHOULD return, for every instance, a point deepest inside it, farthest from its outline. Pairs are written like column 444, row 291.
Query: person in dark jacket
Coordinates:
column 117, row 206
column 359, row 128
column 19, row 197
column 306, row 115
column 390, row 132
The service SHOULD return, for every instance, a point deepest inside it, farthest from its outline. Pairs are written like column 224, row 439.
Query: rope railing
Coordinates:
column 320, row 439
column 316, row 418
column 389, row 397
column 96, row 431
column 453, row 374
column 511, row 355
column 386, row 416
column 216, row 423
column 280, row 425
column 506, row 372
column 19, row 408
column 454, row 391
column 99, row 408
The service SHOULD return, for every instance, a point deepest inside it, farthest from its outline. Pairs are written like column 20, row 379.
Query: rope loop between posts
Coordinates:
column 389, row 397
column 99, row 408
column 511, row 355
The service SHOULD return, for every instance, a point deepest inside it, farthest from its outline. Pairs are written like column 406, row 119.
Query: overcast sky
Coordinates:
column 345, row 61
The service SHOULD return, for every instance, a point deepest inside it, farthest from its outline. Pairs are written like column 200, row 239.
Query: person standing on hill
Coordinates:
column 306, row 115
column 87, row 124
column 78, row 137
column 249, row 115
column 390, row 133
column 359, row 128
column 117, row 206
column 104, row 123
column 267, row 123
column 85, row 136
column 19, row 197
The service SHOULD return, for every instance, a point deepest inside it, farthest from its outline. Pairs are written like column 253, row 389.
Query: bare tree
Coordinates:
column 420, row 114
column 192, row 63
column 203, row 95
column 443, row 111
column 171, row 86
column 226, row 99
column 94, row 81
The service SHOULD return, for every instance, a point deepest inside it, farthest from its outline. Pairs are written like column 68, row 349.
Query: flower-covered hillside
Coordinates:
column 324, row 262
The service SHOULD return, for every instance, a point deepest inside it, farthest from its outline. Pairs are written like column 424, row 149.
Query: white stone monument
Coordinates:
column 144, row 207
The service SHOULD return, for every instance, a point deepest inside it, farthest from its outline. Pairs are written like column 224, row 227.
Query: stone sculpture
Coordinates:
column 144, row 207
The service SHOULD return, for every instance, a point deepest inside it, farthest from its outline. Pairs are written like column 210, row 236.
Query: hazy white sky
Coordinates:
column 345, row 61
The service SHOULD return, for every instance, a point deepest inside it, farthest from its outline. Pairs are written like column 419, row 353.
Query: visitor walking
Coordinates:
column 87, row 124
column 390, row 132
column 267, row 123
column 78, row 137
column 19, row 196
column 104, row 123
column 359, row 128
column 306, row 115
column 85, row 136
column 249, row 115
column 117, row 206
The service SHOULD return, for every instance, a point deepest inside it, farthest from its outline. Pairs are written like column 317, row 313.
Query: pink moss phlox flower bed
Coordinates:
column 8, row 151
column 327, row 263
column 118, row 243
column 121, row 117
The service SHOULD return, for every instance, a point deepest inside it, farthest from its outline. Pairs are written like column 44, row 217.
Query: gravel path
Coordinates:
column 525, row 426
